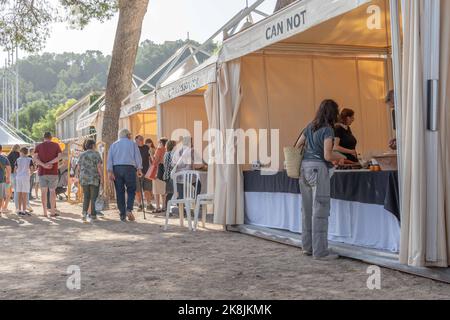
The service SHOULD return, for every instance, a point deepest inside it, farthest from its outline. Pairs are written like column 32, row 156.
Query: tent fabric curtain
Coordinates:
column 445, row 116
column 212, row 113
column 229, row 193
column 182, row 113
column 425, row 232
column 413, row 200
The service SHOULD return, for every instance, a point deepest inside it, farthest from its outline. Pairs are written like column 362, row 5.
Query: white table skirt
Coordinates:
column 352, row 223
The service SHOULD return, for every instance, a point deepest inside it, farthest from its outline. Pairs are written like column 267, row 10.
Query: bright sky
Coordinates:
column 165, row 20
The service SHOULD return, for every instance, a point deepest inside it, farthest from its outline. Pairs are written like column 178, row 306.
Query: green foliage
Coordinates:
column 80, row 13
column 26, row 23
column 48, row 120
column 31, row 114
column 49, row 80
column 58, row 77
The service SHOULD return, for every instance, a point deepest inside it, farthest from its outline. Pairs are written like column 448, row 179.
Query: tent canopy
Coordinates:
column 9, row 138
column 190, row 80
column 184, row 60
column 338, row 51
column 350, row 23
column 143, row 103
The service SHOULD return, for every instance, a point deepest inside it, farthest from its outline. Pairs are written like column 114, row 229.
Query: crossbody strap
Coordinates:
column 299, row 137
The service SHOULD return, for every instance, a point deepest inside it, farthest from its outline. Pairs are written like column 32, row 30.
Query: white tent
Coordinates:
column 188, row 79
column 139, row 112
column 89, row 119
column 9, row 137
column 190, row 93
column 301, row 45
column 285, row 65
column 188, row 96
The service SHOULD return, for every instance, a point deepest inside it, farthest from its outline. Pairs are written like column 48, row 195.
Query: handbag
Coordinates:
column 293, row 158
column 100, row 203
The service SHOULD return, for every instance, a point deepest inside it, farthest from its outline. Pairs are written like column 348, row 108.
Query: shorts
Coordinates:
column 3, row 188
column 47, row 181
column 22, row 184
column 148, row 185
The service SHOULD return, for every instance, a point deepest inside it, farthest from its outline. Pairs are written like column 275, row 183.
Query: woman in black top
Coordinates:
column 344, row 141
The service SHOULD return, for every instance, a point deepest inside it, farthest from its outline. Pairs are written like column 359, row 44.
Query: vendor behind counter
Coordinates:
column 345, row 142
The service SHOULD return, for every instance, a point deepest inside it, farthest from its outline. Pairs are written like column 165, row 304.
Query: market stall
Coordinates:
column 139, row 111
column 274, row 76
column 140, row 116
column 181, row 97
column 187, row 103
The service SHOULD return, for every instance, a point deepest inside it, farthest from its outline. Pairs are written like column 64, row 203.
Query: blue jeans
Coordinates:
column 125, row 181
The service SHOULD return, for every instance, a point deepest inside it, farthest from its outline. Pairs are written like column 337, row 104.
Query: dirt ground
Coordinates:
column 140, row 261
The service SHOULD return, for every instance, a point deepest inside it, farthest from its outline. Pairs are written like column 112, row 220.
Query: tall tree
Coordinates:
column 26, row 23
column 282, row 3
column 126, row 43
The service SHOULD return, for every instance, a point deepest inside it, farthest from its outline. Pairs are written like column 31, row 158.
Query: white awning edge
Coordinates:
column 284, row 24
column 87, row 121
column 144, row 103
column 199, row 77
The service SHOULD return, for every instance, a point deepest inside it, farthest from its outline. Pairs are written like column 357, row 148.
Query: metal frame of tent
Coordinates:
column 242, row 18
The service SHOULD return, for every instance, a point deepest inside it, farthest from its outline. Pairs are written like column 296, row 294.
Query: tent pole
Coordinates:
column 159, row 121
column 397, row 76
column 431, row 60
column 17, row 87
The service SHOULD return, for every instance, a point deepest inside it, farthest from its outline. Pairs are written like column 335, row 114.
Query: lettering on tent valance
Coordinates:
column 146, row 102
column 87, row 121
column 187, row 84
column 286, row 24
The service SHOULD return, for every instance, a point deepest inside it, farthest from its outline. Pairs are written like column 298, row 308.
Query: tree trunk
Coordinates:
column 126, row 44
column 282, row 3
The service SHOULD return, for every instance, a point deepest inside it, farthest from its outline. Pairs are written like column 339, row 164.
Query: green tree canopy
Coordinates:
column 48, row 121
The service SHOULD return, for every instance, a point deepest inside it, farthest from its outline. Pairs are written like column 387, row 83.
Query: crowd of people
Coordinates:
column 18, row 177
column 140, row 171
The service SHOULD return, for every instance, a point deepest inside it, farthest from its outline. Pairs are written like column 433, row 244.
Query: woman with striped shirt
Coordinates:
column 168, row 167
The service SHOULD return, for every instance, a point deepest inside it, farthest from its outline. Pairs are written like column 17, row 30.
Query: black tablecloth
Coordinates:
column 379, row 188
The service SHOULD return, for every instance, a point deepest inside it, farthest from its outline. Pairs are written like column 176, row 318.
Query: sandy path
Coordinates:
column 140, row 261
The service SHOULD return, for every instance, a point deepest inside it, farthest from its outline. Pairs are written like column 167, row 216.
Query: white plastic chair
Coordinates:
column 190, row 181
column 202, row 200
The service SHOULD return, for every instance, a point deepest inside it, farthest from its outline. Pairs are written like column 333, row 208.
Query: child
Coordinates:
column 23, row 172
column 5, row 179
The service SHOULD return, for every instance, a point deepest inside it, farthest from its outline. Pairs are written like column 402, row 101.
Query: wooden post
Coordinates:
column 69, row 164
